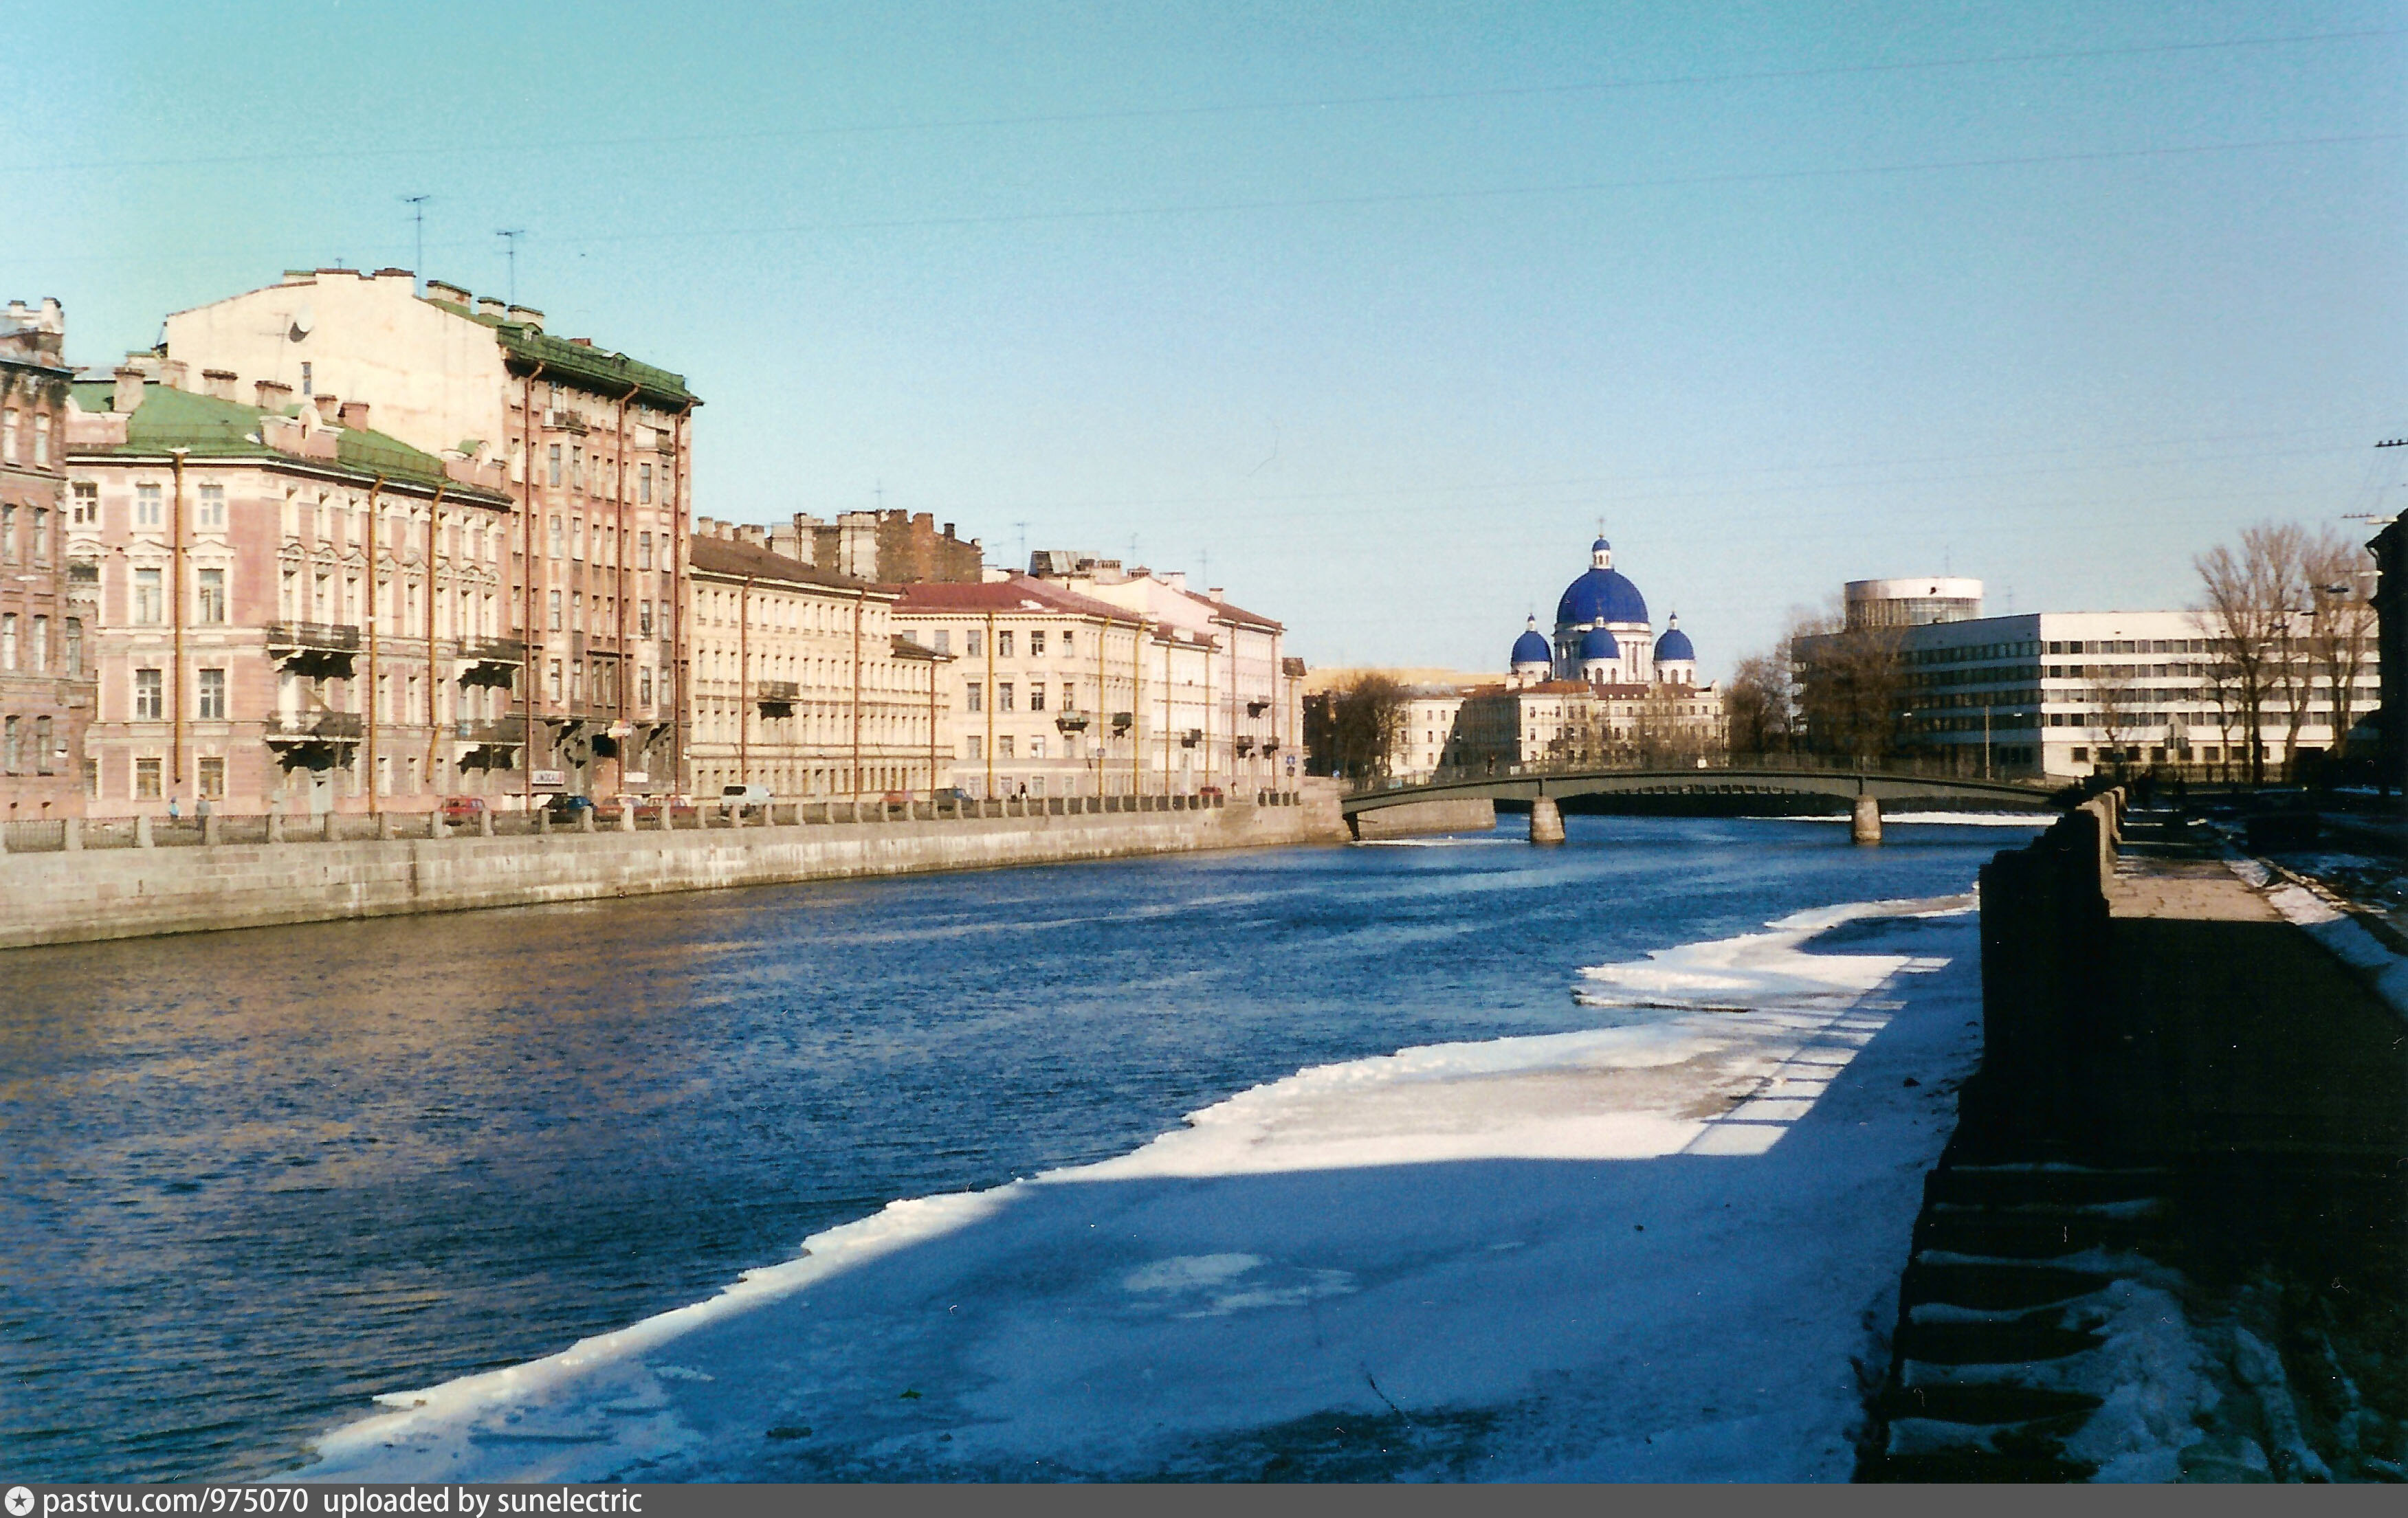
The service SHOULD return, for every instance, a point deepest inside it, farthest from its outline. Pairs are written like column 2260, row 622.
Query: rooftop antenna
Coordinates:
column 1024, row 540
column 511, row 250
column 417, row 205
column 878, row 491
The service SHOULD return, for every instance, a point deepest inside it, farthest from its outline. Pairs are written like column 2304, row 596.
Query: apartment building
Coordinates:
column 593, row 447
column 45, row 690
column 1058, row 693
column 286, row 609
column 801, row 681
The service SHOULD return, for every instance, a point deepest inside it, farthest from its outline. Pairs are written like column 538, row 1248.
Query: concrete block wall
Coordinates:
column 97, row 894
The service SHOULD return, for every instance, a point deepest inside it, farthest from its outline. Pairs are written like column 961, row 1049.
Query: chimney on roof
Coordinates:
column 355, row 415
column 490, row 305
column 274, row 394
column 755, row 534
column 175, row 374
column 328, row 406
column 219, row 383
column 439, row 290
column 128, row 395
column 1216, row 594
column 526, row 316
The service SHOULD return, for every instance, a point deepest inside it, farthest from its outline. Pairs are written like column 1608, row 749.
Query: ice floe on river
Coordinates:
column 1660, row 1250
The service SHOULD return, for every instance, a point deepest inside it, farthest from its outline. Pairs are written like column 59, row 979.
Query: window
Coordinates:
column 943, row 639
column 1037, row 746
column 212, row 691
column 554, row 602
column 8, row 640
column 10, row 734
column 974, row 750
column 644, row 682
column 209, row 514
column 974, row 697
column 576, row 467
column 146, row 512
column 146, row 779
column 1003, row 645
column 1036, row 698
column 577, row 538
column 557, row 535
column 643, row 484
column 8, row 535
column 149, row 695
column 643, row 551
column 970, row 643
column 1037, row 643
column 87, row 504
column 306, row 388
column 577, row 612
column 75, row 648
column 555, row 668
column 212, row 778
column 643, row 618
column 9, row 436
column 42, row 453
column 1003, row 696
column 553, row 476
column 41, row 535
column 1003, row 746
column 150, row 597
column 38, row 648
column 212, row 596
column 45, row 742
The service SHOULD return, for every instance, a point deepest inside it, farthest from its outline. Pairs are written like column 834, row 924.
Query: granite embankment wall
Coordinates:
column 1416, row 817
column 91, row 894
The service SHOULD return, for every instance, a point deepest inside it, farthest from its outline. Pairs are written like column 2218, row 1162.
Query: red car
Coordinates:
column 462, row 808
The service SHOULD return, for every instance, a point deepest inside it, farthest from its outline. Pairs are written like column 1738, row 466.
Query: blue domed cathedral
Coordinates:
column 1604, row 637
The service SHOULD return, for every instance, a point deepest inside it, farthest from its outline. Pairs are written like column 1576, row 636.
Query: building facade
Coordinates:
column 802, row 682
column 1248, row 721
column 46, row 685
column 2065, row 695
column 1056, row 694
column 594, row 449
column 892, row 548
column 1909, row 603
column 289, row 610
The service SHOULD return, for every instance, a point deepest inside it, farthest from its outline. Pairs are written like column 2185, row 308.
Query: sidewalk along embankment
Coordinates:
column 85, row 896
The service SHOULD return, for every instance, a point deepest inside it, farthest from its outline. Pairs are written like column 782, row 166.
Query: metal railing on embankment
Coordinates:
column 72, row 833
column 1740, row 767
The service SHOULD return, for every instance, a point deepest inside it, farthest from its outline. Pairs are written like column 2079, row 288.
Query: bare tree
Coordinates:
column 2246, row 605
column 2109, row 688
column 1663, row 733
column 1760, row 706
column 2339, row 572
column 1366, row 719
column 1849, row 683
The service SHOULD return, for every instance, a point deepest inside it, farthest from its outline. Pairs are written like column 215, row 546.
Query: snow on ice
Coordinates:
column 1660, row 1250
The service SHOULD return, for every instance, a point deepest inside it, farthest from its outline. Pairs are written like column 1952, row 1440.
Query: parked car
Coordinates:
column 1210, row 793
column 954, row 795
column 462, row 808
column 565, row 805
column 892, row 799
column 746, row 799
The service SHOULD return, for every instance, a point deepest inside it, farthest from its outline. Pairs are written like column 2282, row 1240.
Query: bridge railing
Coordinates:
column 1738, row 766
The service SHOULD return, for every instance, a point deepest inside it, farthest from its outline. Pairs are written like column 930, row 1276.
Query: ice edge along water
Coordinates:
column 1130, row 1284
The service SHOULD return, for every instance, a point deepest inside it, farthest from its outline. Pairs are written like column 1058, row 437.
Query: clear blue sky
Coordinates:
column 1376, row 310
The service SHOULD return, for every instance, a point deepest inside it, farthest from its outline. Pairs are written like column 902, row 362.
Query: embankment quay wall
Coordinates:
column 90, row 895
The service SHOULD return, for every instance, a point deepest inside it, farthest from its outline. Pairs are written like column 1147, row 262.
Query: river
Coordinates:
column 256, row 1178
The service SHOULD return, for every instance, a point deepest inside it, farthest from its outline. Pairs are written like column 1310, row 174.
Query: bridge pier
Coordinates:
column 1546, row 822
column 1865, row 826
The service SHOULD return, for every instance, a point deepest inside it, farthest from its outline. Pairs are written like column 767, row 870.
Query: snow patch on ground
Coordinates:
column 1657, row 1251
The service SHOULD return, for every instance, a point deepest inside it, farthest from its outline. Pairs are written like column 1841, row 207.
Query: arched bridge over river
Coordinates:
column 1718, row 790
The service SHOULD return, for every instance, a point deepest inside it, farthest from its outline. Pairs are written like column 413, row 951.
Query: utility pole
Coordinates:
column 510, row 251
column 417, row 205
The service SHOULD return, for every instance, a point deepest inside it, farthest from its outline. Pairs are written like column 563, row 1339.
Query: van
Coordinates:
column 746, row 798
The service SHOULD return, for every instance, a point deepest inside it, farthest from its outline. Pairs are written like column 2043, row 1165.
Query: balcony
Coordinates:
column 326, row 728
column 777, row 697
column 318, row 650
column 1071, row 722
column 1245, row 745
column 1191, row 737
column 491, row 661
column 1123, row 722
column 1255, row 708
column 501, row 733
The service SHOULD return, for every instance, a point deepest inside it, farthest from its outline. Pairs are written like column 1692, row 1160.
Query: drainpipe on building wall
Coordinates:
column 859, row 597
column 743, row 684
column 677, row 598
column 176, row 616
column 376, row 507
column 433, row 562
column 987, row 699
column 531, row 653
column 932, row 736
column 625, row 677
column 1136, row 707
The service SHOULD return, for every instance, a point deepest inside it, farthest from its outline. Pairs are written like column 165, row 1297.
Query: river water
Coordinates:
column 256, row 1178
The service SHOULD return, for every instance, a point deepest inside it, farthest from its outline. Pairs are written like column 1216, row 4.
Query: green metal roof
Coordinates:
column 592, row 368
column 207, row 427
